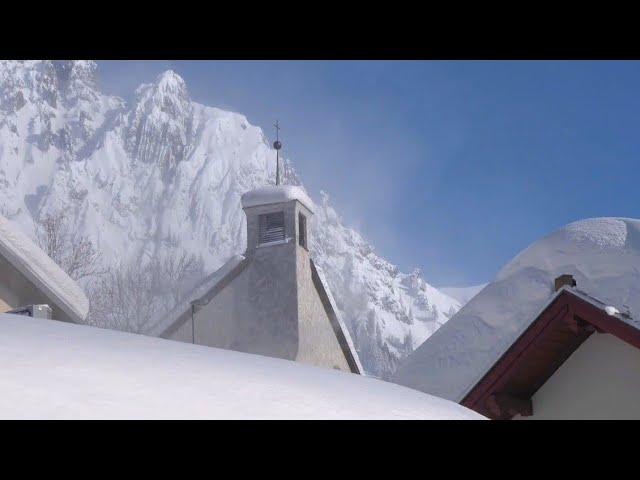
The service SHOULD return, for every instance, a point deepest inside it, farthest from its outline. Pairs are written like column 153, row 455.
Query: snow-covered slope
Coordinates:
column 462, row 294
column 54, row 370
column 164, row 175
column 603, row 255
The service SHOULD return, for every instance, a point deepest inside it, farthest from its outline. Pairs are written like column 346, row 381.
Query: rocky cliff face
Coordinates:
column 165, row 175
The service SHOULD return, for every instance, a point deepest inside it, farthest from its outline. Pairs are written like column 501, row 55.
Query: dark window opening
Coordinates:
column 302, row 230
column 271, row 227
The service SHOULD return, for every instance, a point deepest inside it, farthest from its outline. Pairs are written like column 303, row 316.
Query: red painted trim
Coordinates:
column 561, row 307
column 498, row 375
column 607, row 323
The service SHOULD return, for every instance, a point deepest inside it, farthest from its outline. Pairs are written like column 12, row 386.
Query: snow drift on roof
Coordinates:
column 603, row 255
column 276, row 194
column 61, row 370
column 462, row 294
column 36, row 266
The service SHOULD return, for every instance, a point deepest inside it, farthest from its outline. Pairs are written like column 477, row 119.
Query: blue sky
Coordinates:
column 452, row 167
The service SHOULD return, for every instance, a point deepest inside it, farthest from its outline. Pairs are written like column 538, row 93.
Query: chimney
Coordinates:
column 564, row 279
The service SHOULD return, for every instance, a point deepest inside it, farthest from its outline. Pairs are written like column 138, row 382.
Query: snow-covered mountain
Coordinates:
column 165, row 175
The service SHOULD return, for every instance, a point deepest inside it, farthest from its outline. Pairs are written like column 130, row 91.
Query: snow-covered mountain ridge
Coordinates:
column 165, row 175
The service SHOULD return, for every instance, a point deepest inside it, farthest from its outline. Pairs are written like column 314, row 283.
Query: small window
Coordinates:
column 302, row 230
column 271, row 227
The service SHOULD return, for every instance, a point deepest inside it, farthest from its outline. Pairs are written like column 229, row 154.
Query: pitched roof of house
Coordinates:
column 602, row 254
column 562, row 325
column 43, row 272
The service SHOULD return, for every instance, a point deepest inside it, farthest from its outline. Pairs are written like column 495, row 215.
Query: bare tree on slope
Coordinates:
column 76, row 255
column 133, row 297
column 123, row 297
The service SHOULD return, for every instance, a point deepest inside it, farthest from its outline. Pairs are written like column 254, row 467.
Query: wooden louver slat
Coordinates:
column 271, row 227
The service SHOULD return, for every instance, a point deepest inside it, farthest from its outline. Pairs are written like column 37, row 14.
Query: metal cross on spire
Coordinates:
column 277, row 145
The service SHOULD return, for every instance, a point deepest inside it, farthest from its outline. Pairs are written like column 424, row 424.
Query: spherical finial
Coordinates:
column 277, row 145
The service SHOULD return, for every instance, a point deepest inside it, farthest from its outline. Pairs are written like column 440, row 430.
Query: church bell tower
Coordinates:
column 272, row 300
column 278, row 218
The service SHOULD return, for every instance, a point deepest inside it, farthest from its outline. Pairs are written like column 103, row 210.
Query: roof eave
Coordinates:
column 579, row 306
column 340, row 329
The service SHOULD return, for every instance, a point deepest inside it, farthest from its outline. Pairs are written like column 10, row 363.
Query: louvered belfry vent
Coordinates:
column 271, row 227
column 302, row 230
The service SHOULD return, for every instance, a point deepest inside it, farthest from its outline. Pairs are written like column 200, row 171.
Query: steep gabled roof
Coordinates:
column 43, row 272
column 205, row 290
column 564, row 323
column 339, row 328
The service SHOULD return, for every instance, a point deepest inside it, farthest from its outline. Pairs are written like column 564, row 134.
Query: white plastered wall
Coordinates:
column 600, row 380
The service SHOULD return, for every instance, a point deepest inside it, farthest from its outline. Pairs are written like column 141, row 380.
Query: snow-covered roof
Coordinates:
column 109, row 374
column 603, row 255
column 207, row 287
column 43, row 272
column 276, row 194
column 462, row 294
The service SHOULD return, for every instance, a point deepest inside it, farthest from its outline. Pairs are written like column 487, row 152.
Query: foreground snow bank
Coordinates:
column 57, row 370
column 603, row 255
